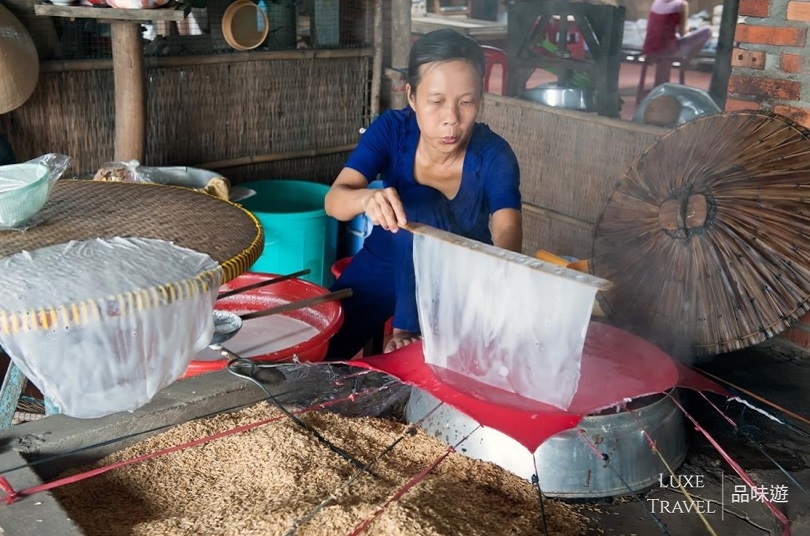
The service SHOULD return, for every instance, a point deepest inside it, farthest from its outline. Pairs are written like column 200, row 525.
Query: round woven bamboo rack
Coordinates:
column 706, row 236
column 84, row 210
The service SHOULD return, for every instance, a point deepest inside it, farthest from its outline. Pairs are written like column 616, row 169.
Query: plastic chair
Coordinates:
column 661, row 75
column 495, row 56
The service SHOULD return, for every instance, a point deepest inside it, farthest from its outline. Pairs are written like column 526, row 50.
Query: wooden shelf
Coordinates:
column 170, row 12
column 129, row 69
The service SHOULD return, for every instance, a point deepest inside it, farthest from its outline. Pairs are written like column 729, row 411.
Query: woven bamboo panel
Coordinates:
column 85, row 210
column 553, row 233
column 570, row 162
column 321, row 169
column 200, row 111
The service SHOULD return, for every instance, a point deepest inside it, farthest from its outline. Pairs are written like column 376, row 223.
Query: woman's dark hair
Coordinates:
column 444, row 45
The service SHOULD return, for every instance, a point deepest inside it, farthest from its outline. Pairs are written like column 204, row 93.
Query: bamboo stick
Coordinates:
column 506, row 255
column 552, row 214
column 274, row 157
column 300, row 304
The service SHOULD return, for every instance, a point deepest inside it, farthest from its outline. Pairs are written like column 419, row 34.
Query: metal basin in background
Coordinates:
column 567, row 465
column 582, row 99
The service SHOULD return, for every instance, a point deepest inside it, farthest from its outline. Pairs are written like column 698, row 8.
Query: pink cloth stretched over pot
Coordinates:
column 617, row 366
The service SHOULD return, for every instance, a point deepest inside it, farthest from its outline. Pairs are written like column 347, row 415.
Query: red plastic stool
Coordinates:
column 495, row 56
column 574, row 41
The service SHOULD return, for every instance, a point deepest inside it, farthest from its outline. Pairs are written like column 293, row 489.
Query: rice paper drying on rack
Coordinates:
column 100, row 326
column 502, row 318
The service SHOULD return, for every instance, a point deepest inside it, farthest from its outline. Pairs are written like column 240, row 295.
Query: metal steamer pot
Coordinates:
column 567, row 466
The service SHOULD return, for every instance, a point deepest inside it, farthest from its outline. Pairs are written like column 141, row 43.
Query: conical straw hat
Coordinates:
column 19, row 62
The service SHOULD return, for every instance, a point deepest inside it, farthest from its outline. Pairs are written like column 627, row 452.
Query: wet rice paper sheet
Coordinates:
column 501, row 318
column 89, row 324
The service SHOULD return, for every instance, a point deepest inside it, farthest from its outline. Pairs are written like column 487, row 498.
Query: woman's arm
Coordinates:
column 684, row 26
column 350, row 196
column 344, row 200
column 507, row 229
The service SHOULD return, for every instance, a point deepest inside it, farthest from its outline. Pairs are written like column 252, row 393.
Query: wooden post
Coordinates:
column 722, row 59
column 376, row 67
column 130, row 91
column 400, row 45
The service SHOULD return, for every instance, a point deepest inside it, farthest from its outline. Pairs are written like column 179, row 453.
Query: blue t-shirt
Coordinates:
column 490, row 181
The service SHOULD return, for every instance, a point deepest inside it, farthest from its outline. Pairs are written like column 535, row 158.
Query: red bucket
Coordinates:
column 304, row 333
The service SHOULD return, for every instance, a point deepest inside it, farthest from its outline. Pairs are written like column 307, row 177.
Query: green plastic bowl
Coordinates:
column 24, row 188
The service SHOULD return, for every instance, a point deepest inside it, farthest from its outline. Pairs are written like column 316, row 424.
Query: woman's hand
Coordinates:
column 384, row 208
column 400, row 339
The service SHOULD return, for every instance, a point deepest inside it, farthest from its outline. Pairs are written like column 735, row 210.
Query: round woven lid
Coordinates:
column 84, row 209
column 19, row 62
column 706, row 238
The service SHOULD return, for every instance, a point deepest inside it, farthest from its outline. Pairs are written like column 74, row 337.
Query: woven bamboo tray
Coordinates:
column 84, row 210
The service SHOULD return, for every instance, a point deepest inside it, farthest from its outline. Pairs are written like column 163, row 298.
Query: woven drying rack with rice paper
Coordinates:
column 111, row 294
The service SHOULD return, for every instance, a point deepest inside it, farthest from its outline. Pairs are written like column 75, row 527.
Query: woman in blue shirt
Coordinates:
column 439, row 167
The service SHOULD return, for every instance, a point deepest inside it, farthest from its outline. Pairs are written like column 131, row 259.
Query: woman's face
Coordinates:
column 446, row 101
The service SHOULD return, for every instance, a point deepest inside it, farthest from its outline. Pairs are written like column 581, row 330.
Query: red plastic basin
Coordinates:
column 326, row 318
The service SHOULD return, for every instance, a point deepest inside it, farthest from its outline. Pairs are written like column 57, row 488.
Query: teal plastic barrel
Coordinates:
column 297, row 232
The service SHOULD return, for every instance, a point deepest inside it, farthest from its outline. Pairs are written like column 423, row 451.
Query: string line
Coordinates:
column 778, row 514
column 410, row 431
column 681, row 487
column 416, row 479
column 13, row 495
column 605, row 458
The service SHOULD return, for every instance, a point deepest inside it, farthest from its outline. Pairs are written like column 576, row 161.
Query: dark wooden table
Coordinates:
column 601, row 27
column 484, row 31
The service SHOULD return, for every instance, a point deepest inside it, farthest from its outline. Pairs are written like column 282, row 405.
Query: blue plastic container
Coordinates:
column 358, row 228
column 297, row 232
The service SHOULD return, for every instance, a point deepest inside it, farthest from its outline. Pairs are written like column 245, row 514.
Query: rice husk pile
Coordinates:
column 264, row 481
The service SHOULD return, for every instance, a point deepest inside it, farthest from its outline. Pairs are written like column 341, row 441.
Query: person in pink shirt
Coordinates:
column 668, row 35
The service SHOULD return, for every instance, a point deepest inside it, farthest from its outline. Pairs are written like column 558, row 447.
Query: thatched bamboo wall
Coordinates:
column 227, row 110
column 569, row 163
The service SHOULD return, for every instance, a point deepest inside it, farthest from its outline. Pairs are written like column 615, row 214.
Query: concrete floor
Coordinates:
column 709, row 479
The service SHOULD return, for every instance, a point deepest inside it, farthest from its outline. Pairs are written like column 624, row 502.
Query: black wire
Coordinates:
column 536, row 485
column 777, row 464
column 251, row 366
column 658, row 522
column 745, row 430
column 62, row 455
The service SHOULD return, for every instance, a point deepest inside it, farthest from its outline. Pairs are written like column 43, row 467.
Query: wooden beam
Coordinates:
column 400, row 44
column 171, row 12
column 376, row 65
column 718, row 87
column 130, row 91
column 192, row 61
column 275, row 157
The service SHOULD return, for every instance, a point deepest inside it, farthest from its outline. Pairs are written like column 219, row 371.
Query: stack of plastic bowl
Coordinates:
column 24, row 189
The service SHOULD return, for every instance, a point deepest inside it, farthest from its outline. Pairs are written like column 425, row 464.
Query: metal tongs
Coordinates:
column 227, row 324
